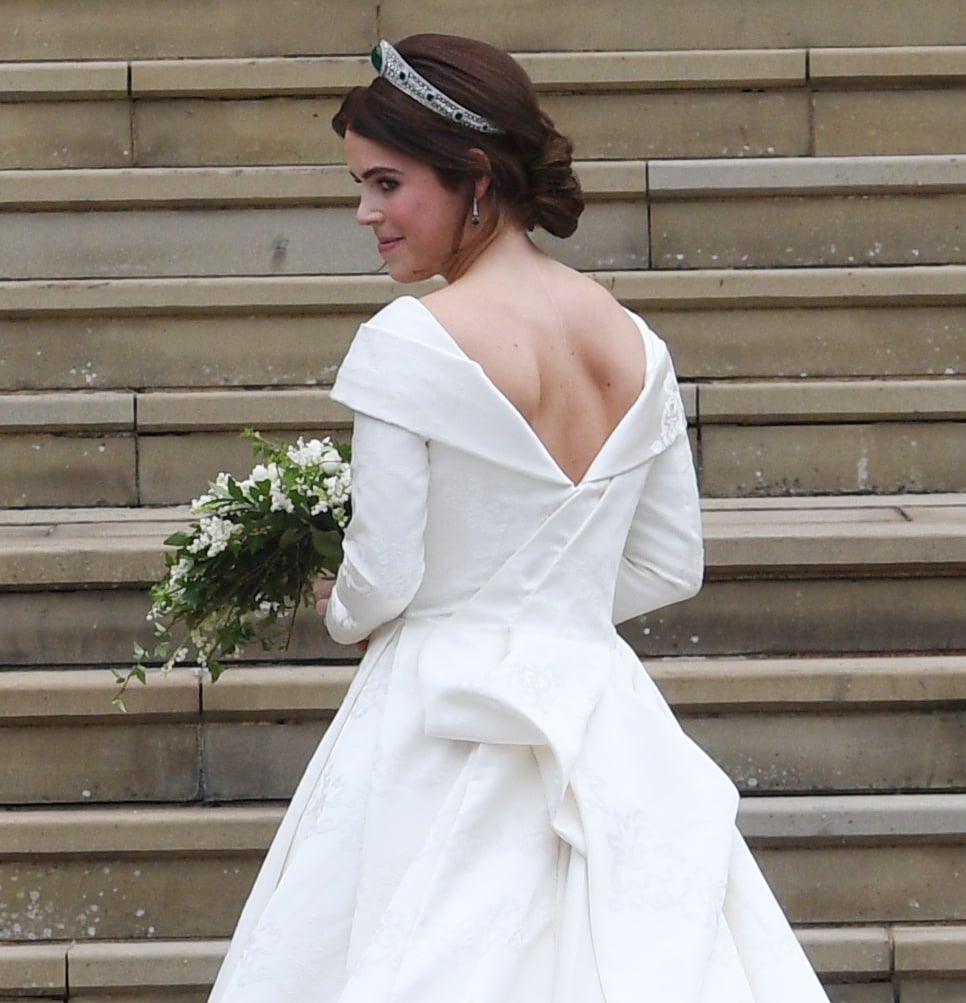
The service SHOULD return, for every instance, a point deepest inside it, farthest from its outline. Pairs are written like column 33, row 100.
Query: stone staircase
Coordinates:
column 782, row 192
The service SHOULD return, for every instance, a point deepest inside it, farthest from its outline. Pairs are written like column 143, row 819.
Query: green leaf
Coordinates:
column 179, row 539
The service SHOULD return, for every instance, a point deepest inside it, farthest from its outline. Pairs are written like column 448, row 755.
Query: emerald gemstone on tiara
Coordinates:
column 392, row 67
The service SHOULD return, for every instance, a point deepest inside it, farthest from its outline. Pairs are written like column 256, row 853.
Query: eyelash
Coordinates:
column 387, row 185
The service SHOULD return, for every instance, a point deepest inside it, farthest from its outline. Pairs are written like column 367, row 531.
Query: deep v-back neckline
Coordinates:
column 522, row 419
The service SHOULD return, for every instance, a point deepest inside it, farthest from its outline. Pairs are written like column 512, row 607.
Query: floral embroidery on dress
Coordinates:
column 674, row 422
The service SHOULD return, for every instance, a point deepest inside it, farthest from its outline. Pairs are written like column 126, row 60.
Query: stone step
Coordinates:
column 860, row 963
column 677, row 215
column 777, row 726
column 117, row 873
column 294, row 330
column 750, row 439
column 741, row 101
column 60, row 30
column 784, row 577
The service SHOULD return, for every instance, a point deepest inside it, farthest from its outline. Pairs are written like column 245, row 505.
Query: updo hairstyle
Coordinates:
column 531, row 173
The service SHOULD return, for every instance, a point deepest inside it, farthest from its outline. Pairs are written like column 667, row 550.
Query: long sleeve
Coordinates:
column 663, row 558
column 384, row 559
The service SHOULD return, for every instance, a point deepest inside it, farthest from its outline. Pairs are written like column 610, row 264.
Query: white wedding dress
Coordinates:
column 504, row 809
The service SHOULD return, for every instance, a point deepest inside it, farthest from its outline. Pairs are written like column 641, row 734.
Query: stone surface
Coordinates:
column 174, row 469
column 159, row 352
column 116, row 897
column 62, row 134
column 889, row 122
column 96, row 763
column 789, row 232
column 693, row 24
column 932, row 990
column 87, row 80
column 807, row 615
column 257, row 760
column 940, row 951
column 894, row 65
column 53, row 412
column 105, row 29
column 679, row 179
column 41, row 469
column 902, row 340
column 831, row 752
column 845, row 953
column 225, row 133
column 648, row 125
column 837, row 884
column 220, row 410
column 174, row 242
column 162, row 965
column 874, row 992
column 31, row 970
column 881, row 458
column 97, row 627
column 833, row 401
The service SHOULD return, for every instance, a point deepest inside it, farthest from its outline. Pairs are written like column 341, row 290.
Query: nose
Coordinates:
column 367, row 214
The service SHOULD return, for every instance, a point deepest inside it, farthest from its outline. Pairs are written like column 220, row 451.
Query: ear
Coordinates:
column 481, row 184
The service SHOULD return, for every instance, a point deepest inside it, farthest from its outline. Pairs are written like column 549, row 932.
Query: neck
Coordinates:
column 502, row 248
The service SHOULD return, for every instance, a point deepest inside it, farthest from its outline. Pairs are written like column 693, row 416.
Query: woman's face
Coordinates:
column 417, row 222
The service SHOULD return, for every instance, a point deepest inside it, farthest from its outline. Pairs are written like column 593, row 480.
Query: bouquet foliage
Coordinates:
column 240, row 572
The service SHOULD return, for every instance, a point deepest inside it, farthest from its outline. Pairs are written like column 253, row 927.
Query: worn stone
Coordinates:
column 96, row 627
column 889, row 122
column 174, row 469
column 257, row 760
column 64, row 134
column 94, row 763
column 805, row 176
column 789, row 232
column 831, row 401
column 863, row 992
column 161, row 352
column 860, row 884
column 880, row 458
column 41, row 469
column 226, row 133
column 648, row 125
column 848, row 952
column 892, row 65
column 104, row 29
column 818, row 341
column 111, row 897
column 939, row 951
column 788, row 615
column 74, row 412
column 88, row 80
column 816, row 752
column 183, row 242
column 664, row 24
column 143, row 965
column 237, row 409
column 932, row 990
column 29, row 970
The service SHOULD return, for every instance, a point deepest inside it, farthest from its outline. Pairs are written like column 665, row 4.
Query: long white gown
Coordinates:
column 504, row 810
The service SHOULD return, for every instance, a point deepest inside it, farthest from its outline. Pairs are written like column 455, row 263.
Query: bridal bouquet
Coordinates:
column 240, row 572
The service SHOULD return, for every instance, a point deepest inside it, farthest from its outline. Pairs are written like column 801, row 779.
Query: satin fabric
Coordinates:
column 504, row 810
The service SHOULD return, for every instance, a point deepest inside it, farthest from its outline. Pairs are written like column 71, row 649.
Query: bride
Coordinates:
column 504, row 809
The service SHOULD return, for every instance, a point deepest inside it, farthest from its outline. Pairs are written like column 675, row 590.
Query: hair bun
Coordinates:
column 556, row 197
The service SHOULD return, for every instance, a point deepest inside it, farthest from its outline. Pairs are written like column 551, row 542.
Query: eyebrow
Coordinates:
column 374, row 170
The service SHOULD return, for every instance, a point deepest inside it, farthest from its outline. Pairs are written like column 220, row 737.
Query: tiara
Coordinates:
column 392, row 67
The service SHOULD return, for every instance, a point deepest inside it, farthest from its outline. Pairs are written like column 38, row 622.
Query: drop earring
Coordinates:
column 475, row 217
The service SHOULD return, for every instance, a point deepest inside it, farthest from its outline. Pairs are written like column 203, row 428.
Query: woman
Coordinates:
column 504, row 810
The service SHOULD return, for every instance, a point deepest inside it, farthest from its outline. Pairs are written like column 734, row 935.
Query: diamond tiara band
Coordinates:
column 392, row 67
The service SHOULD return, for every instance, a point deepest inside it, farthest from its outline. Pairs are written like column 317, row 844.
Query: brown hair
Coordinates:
column 530, row 161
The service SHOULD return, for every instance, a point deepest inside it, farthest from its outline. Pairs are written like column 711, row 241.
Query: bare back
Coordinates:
column 558, row 347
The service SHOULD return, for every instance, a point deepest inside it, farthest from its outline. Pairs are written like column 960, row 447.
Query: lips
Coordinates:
column 388, row 243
